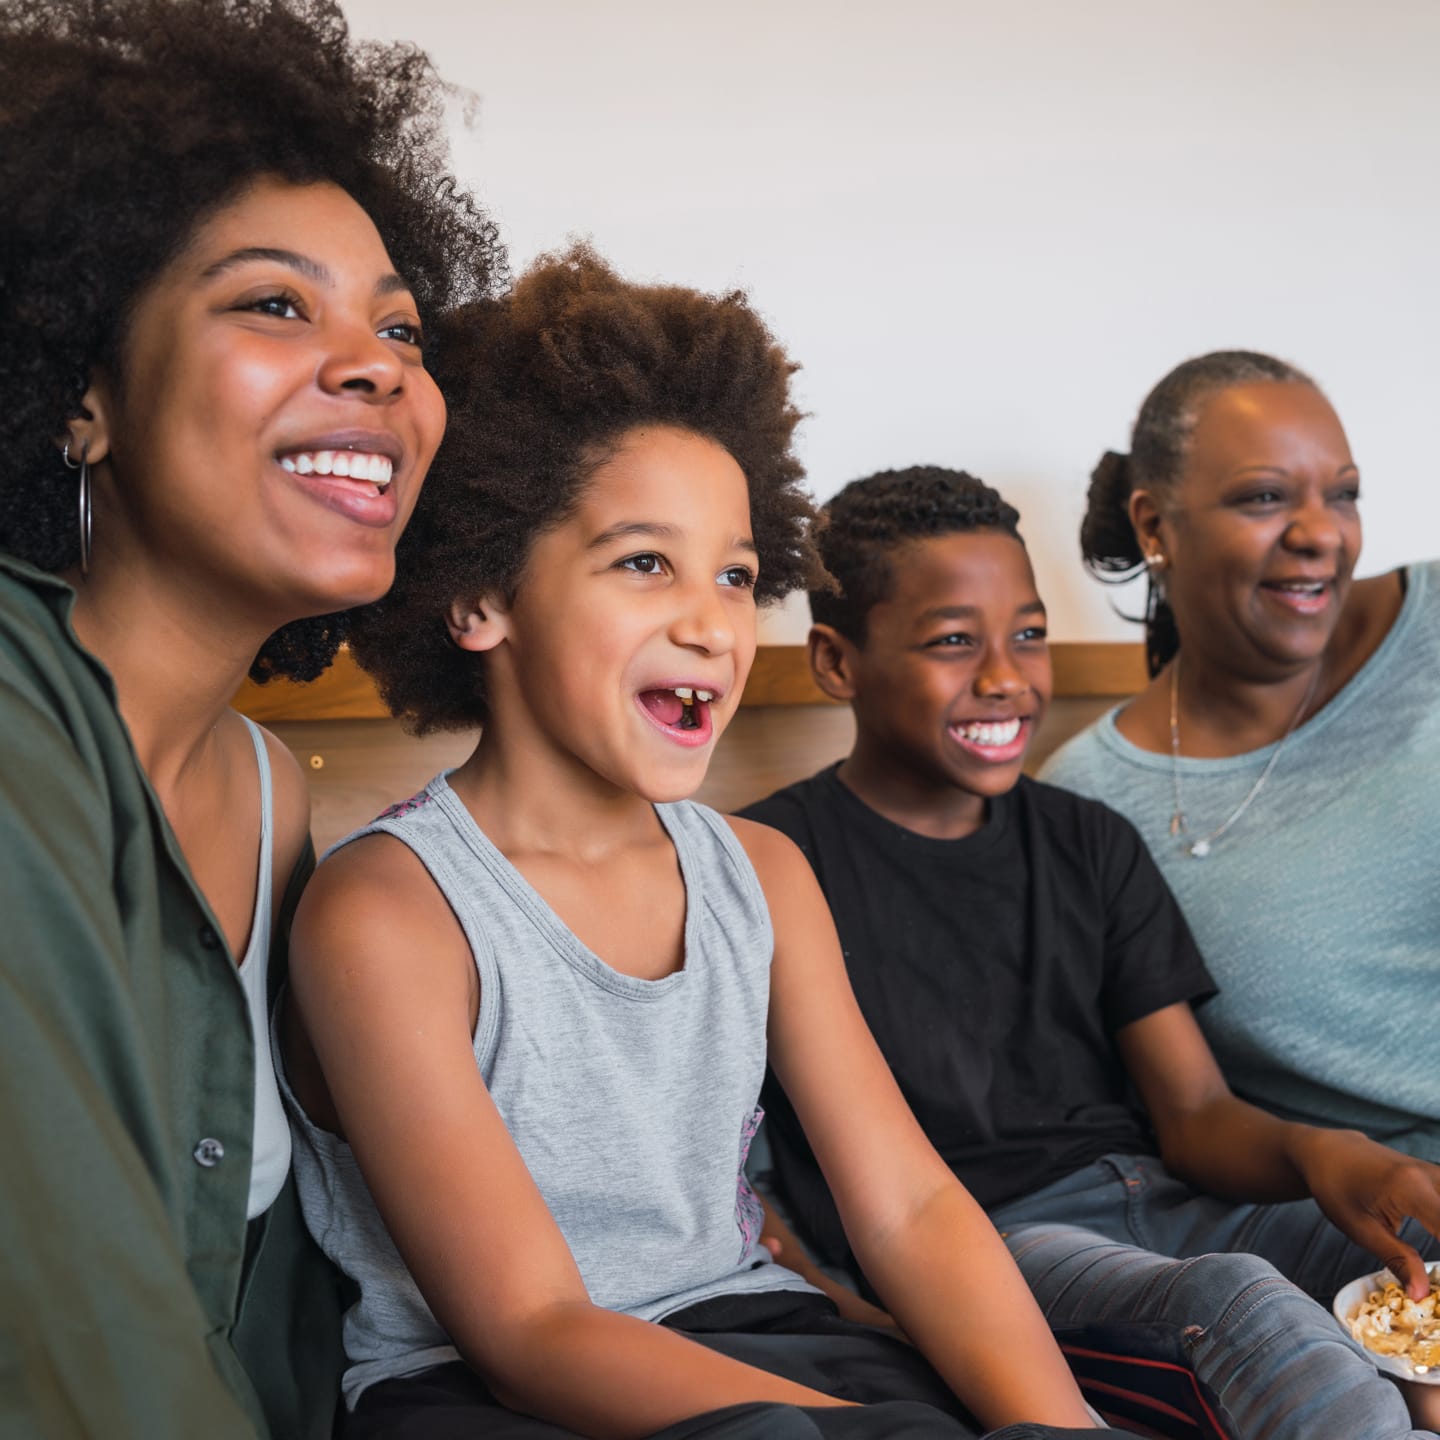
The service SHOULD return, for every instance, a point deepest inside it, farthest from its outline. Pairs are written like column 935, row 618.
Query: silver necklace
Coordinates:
column 1199, row 848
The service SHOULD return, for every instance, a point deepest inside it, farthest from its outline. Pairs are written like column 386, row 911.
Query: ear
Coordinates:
column 832, row 662
column 1147, row 518
column 89, row 432
column 478, row 625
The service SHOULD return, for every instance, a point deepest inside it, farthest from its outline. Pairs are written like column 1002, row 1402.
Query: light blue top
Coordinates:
column 633, row 1102
column 1318, row 913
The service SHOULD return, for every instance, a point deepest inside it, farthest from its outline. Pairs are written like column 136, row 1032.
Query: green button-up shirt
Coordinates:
column 134, row 1298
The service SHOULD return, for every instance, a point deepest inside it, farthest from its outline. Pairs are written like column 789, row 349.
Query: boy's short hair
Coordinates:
column 866, row 521
column 540, row 385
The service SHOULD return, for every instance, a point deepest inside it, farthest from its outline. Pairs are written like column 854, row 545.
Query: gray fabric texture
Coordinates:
column 1318, row 914
column 632, row 1101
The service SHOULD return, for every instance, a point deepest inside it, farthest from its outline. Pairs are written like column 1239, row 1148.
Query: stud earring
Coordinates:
column 86, row 512
column 1155, row 562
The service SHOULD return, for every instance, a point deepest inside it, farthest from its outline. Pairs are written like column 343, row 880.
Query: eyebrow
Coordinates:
column 313, row 270
column 1262, row 469
column 656, row 530
column 968, row 612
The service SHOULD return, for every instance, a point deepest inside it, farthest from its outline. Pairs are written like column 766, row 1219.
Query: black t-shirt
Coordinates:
column 994, row 971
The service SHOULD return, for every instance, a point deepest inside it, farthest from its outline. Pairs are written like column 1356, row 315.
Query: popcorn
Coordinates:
column 1388, row 1322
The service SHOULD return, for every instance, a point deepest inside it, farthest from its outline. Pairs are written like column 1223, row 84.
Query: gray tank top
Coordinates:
column 632, row 1101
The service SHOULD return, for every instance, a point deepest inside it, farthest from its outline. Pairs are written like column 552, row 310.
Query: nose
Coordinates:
column 702, row 621
column 358, row 362
column 997, row 677
column 1314, row 528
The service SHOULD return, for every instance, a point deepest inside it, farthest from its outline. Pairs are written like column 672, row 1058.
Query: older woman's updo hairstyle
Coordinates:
column 1159, row 444
column 123, row 125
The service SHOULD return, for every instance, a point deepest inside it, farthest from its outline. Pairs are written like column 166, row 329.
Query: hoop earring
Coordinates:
column 86, row 511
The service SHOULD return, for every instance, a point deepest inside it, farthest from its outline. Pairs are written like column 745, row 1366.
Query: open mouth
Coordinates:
column 362, row 466
column 1304, row 597
column 997, row 742
column 682, row 712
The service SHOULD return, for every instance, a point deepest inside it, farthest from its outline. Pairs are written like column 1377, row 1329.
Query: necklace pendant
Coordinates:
column 1177, row 823
column 1200, row 849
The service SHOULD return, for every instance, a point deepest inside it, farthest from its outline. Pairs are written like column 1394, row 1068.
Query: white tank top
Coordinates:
column 270, row 1162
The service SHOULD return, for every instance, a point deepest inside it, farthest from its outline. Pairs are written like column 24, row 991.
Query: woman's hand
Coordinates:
column 1368, row 1191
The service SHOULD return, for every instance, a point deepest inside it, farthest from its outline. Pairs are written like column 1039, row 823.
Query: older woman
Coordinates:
column 220, row 227
column 1284, row 761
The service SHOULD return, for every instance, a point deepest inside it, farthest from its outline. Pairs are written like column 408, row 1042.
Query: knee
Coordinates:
column 1229, row 1292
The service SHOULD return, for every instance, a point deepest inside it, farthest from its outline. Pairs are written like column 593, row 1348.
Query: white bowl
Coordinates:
column 1348, row 1301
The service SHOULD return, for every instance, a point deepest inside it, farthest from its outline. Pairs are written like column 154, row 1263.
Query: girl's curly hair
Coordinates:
column 539, row 386
column 123, row 125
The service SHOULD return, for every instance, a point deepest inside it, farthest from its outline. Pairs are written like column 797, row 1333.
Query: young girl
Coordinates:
column 538, row 992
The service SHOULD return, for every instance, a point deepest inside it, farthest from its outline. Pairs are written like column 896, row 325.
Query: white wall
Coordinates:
column 986, row 229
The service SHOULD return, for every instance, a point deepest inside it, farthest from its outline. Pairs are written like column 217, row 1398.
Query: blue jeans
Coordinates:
column 1124, row 1242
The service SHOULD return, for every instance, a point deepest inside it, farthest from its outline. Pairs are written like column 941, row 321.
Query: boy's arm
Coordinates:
column 785, row 1245
column 926, row 1246
column 1222, row 1144
column 383, row 985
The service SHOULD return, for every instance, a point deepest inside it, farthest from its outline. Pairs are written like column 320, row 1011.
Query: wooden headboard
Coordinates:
column 359, row 760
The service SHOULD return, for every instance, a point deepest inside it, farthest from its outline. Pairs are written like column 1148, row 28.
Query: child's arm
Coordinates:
column 386, row 992
column 1222, row 1144
column 925, row 1245
column 787, row 1249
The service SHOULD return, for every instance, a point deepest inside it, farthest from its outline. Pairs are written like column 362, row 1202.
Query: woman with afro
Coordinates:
column 221, row 227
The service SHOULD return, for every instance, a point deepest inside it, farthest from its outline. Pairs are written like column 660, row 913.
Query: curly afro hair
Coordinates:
column 123, row 125
column 869, row 519
column 539, row 386
column 1159, row 444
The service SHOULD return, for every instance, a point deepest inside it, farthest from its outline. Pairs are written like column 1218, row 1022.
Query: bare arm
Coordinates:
column 385, row 992
column 927, row 1247
column 1220, row 1143
column 788, row 1250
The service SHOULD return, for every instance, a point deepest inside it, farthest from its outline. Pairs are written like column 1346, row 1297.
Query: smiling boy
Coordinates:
column 1029, row 978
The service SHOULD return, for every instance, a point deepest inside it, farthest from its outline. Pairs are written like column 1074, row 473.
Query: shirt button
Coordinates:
column 209, row 1153
column 208, row 938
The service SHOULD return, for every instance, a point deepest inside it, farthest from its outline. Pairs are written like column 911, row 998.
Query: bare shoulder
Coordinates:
column 291, row 794
column 373, row 894
column 774, row 855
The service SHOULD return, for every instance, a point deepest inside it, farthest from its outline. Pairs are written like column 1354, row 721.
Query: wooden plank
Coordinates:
column 343, row 692
column 1102, row 667
column 358, row 767
column 781, row 676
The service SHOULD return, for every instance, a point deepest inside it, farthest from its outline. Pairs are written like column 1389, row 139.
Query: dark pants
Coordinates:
column 793, row 1334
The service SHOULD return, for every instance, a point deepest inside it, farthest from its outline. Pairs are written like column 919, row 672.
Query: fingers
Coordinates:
column 771, row 1244
column 1406, row 1265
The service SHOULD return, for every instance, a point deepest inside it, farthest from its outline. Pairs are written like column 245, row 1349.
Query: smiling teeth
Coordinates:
column 349, row 464
column 997, row 733
column 684, row 692
column 1300, row 587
